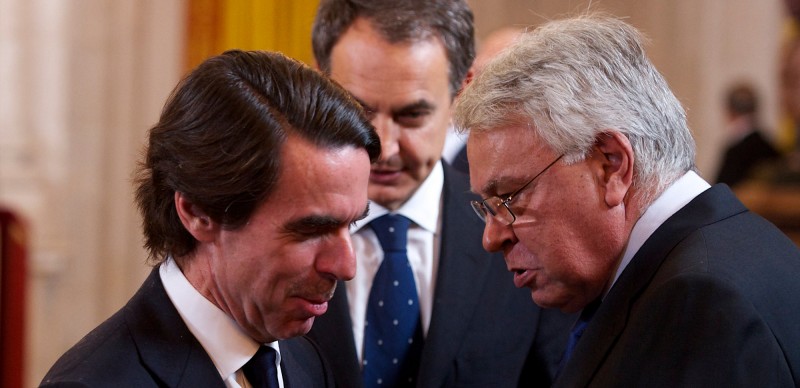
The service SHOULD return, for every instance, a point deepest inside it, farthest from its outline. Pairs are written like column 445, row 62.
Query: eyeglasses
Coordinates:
column 499, row 207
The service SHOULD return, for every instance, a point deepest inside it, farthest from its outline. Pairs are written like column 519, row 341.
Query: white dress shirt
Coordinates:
column 424, row 239
column 674, row 198
column 226, row 344
column 453, row 143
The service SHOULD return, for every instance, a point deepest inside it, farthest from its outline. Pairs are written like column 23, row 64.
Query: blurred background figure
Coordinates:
column 790, row 98
column 455, row 150
column 747, row 148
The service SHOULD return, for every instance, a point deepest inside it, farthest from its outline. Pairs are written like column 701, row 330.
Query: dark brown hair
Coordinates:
column 401, row 21
column 742, row 99
column 219, row 140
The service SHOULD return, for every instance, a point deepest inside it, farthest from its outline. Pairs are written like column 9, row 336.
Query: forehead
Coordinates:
column 321, row 180
column 367, row 64
column 503, row 156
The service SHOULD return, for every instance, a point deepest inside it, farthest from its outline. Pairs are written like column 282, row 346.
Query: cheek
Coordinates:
column 292, row 260
column 558, row 243
column 414, row 149
column 273, row 270
column 424, row 145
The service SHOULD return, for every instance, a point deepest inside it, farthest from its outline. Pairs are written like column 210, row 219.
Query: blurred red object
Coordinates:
column 12, row 299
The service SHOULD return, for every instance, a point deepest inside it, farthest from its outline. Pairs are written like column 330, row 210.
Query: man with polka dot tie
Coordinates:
column 405, row 62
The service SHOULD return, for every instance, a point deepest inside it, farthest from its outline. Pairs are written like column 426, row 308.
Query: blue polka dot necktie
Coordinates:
column 261, row 371
column 392, row 331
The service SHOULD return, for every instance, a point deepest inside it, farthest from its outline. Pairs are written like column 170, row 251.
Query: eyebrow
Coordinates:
column 313, row 223
column 321, row 222
column 419, row 104
column 489, row 188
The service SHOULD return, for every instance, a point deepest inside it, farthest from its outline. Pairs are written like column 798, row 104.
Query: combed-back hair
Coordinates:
column 572, row 80
column 401, row 21
column 219, row 138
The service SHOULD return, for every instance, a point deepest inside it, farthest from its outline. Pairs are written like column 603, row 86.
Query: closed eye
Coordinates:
column 361, row 217
column 314, row 226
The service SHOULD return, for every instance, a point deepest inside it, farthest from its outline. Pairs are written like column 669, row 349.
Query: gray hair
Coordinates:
column 571, row 81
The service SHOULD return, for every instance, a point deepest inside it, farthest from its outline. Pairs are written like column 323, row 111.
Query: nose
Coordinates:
column 497, row 235
column 389, row 132
column 338, row 260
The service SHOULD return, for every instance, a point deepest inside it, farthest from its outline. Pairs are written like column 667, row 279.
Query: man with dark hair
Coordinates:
column 747, row 148
column 586, row 164
column 428, row 307
column 251, row 179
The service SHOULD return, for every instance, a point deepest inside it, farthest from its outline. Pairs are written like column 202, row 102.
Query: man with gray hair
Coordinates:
column 427, row 307
column 586, row 164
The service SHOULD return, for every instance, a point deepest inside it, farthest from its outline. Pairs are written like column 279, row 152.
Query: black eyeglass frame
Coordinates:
column 484, row 211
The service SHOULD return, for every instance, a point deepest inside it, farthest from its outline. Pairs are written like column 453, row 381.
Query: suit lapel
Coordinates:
column 292, row 374
column 460, row 278
column 711, row 206
column 166, row 346
column 301, row 366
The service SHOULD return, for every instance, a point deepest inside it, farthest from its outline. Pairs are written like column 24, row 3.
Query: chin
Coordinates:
column 543, row 300
column 293, row 329
column 301, row 328
column 389, row 198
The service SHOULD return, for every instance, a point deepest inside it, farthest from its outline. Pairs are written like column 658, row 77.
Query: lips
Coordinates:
column 524, row 278
column 313, row 300
column 315, row 306
column 384, row 176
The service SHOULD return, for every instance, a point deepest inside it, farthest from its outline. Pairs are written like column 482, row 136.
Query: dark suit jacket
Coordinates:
column 460, row 162
column 712, row 299
column 482, row 327
column 741, row 159
column 147, row 344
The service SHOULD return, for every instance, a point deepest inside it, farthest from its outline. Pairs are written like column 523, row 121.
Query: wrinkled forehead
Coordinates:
column 501, row 155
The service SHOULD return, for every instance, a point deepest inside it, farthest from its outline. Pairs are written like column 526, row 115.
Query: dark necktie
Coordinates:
column 577, row 332
column 392, row 331
column 261, row 371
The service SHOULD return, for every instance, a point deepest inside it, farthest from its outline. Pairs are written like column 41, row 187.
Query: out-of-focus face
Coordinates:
column 276, row 273
column 566, row 242
column 404, row 87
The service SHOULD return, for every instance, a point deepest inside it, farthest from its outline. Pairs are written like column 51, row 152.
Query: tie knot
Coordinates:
column 392, row 232
column 261, row 371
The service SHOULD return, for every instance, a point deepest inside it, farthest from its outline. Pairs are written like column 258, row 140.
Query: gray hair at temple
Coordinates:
column 571, row 81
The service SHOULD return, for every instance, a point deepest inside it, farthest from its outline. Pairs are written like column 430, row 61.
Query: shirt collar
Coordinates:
column 226, row 344
column 674, row 198
column 420, row 209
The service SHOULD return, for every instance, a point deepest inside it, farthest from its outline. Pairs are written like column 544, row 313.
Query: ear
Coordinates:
column 467, row 79
column 196, row 222
column 614, row 156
